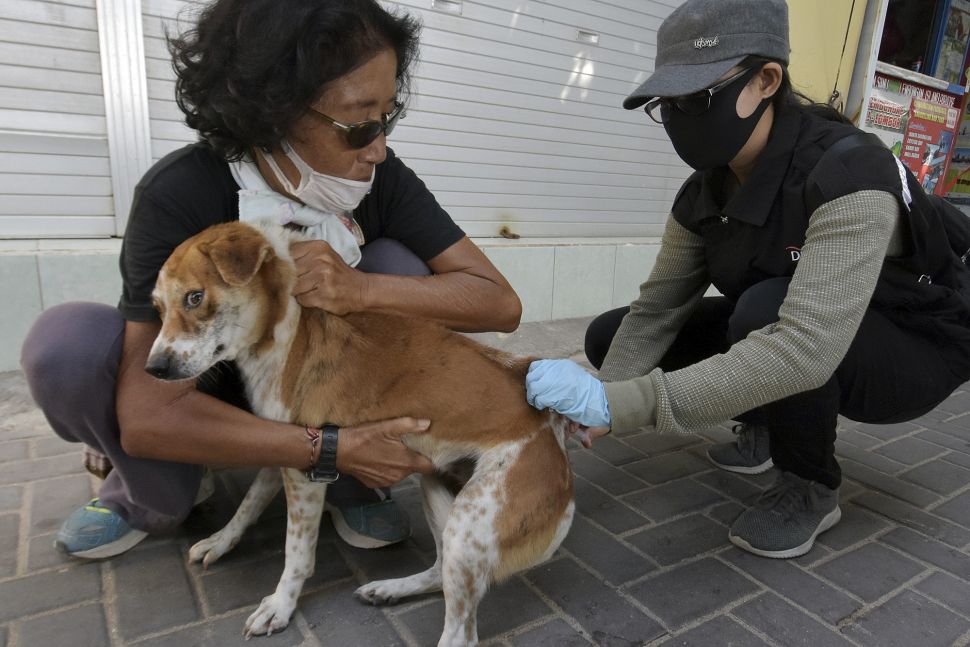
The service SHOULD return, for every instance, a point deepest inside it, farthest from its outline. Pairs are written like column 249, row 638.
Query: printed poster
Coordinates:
column 918, row 123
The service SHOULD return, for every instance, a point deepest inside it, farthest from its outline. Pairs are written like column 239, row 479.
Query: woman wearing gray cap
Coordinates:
column 840, row 291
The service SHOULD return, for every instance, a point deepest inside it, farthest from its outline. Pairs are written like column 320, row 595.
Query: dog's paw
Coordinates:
column 211, row 549
column 273, row 614
column 379, row 592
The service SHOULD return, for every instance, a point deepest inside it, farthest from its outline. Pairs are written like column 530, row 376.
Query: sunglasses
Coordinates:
column 362, row 133
column 690, row 104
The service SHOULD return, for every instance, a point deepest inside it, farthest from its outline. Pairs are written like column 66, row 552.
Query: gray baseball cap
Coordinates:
column 702, row 39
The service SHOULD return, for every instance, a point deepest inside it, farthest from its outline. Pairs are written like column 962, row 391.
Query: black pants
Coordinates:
column 888, row 375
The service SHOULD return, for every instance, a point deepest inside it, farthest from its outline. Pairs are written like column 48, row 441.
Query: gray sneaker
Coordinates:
column 787, row 518
column 749, row 454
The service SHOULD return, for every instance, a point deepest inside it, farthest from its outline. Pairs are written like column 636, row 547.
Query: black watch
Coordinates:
column 325, row 471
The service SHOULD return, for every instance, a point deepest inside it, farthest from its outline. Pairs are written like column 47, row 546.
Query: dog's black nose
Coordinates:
column 160, row 367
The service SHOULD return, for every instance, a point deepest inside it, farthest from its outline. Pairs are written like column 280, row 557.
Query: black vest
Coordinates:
column 759, row 232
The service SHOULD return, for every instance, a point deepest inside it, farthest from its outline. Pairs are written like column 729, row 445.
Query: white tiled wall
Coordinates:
column 554, row 279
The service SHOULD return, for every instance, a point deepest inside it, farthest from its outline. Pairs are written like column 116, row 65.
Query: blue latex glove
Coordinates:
column 564, row 386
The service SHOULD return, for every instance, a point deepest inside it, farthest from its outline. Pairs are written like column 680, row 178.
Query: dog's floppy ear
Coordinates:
column 238, row 256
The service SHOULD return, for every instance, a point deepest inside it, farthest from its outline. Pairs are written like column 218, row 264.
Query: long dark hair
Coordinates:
column 787, row 98
column 250, row 68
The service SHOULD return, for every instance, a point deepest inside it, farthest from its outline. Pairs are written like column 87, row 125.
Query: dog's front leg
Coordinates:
column 304, row 502
column 260, row 493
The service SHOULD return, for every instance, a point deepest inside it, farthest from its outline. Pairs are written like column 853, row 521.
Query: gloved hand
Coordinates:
column 564, row 386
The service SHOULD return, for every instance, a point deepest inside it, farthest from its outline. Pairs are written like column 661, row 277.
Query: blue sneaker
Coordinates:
column 95, row 532
column 371, row 525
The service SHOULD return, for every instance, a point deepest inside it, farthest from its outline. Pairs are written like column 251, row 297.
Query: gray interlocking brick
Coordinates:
column 888, row 432
column 939, row 476
column 505, row 607
column 557, row 633
column 730, row 485
column 599, row 550
column 718, row 433
column 225, row 632
column 890, row 484
column 246, row 584
column 56, row 498
column 399, row 560
column 678, row 540
column 10, row 497
column 726, row 513
column 25, row 596
column 906, row 620
column 612, row 479
column 652, row 443
column 910, row 450
column 667, row 467
column 42, row 554
column 948, row 590
column 79, row 627
column 870, row 459
column 608, row 512
column 599, row 609
column 687, row 592
column 928, row 550
column 856, row 525
column 870, row 571
column 153, row 590
column 915, row 518
column 857, row 439
column 40, row 468
column 957, row 427
column 337, row 618
column 945, row 440
column 957, row 458
column 787, row 624
column 956, row 509
column 791, row 582
column 54, row 446
column 672, row 499
column 9, row 540
column 716, row 633
column 3, row 637
column 14, row 450
column 957, row 404
column 616, row 451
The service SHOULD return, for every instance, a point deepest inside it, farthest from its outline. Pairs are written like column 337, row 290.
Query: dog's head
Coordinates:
column 219, row 294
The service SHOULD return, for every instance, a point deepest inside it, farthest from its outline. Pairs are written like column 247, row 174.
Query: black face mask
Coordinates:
column 714, row 137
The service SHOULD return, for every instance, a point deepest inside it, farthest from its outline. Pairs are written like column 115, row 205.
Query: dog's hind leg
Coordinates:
column 469, row 557
column 304, row 503
column 437, row 506
column 261, row 492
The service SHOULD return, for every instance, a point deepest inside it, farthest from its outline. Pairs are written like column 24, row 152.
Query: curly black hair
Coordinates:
column 250, row 68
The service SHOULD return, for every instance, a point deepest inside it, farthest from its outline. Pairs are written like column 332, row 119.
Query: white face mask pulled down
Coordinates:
column 327, row 193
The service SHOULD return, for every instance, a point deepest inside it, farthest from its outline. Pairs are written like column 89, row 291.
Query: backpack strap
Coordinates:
column 815, row 191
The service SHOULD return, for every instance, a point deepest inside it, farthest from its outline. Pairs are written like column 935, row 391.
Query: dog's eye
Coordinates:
column 194, row 298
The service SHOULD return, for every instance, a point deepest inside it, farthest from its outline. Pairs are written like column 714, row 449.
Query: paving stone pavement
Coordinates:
column 646, row 562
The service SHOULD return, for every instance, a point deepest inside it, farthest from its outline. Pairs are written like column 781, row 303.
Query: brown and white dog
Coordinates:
column 225, row 295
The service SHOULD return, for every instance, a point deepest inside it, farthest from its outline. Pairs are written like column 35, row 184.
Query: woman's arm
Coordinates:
column 466, row 292
column 175, row 422
column 675, row 286
column 841, row 260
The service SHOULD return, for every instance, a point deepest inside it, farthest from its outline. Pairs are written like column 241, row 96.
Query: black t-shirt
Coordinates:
column 192, row 188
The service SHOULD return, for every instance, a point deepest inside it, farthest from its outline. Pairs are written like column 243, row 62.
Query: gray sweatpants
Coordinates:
column 70, row 359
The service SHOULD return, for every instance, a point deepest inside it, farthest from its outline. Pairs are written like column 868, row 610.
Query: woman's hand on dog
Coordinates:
column 325, row 281
column 375, row 453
